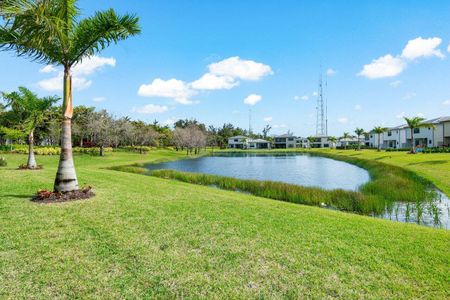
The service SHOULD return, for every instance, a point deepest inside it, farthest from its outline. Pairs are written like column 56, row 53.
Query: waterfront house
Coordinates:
column 244, row 142
column 284, row 141
column 322, row 142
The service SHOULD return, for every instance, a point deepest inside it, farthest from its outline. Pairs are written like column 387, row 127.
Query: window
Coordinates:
column 416, row 130
column 291, row 139
column 389, row 133
column 429, row 142
column 236, row 140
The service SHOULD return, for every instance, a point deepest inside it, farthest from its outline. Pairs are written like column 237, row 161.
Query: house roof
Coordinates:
column 257, row 141
column 286, row 135
column 238, row 137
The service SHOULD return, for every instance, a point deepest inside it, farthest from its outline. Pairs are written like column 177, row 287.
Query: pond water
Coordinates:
column 314, row 171
column 290, row 168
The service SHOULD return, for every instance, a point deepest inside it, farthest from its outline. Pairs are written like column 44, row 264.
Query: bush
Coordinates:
column 139, row 149
column 3, row 162
column 397, row 149
column 51, row 150
column 436, row 150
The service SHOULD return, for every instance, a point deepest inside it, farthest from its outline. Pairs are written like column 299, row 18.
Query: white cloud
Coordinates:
column 151, row 109
column 420, row 115
column 79, row 73
column 410, row 95
column 343, row 120
column 395, row 83
column 48, row 69
column 315, row 94
column 400, row 115
column 279, row 126
column 268, row 119
column 235, row 67
column 331, row 72
column 173, row 88
column 214, row 82
column 390, row 66
column 252, row 99
column 421, row 47
column 385, row 66
column 98, row 99
column 92, row 64
column 304, row 97
column 235, row 112
column 358, row 107
column 446, row 102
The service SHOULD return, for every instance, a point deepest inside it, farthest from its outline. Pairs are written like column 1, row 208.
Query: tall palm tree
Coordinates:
column 333, row 140
column 51, row 32
column 379, row 131
column 311, row 140
column 359, row 132
column 413, row 123
column 33, row 113
column 346, row 135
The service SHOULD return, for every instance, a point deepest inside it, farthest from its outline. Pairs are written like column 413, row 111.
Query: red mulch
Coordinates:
column 25, row 167
column 45, row 196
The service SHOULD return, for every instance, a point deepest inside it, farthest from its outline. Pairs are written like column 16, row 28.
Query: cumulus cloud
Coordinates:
column 235, row 67
column 214, row 82
column 79, row 73
column 48, row 69
column 409, row 95
column 358, row 107
column 252, row 99
column 98, row 99
column 315, row 93
column 390, row 66
column 385, row 66
column 169, row 122
column 331, row 72
column 343, row 120
column 268, row 119
column 150, row 109
column 279, row 126
column 172, row 88
column 446, row 102
column 421, row 47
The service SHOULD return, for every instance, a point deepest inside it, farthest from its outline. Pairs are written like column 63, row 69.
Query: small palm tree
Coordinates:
column 333, row 140
column 359, row 132
column 33, row 111
column 416, row 122
column 379, row 131
column 311, row 140
column 51, row 32
column 346, row 135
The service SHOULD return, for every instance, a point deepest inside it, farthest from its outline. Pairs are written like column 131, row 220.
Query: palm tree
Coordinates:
column 345, row 136
column 51, row 32
column 416, row 122
column 379, row 131
column 311, row 140
column 33, row 111
column 333, row 140
column 359, row 132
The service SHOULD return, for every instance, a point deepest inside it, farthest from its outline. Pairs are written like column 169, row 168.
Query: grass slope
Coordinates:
column 144, row 237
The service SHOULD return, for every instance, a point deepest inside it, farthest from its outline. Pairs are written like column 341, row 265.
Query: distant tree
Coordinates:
column 34, row 112
column 266, row 130
column 333, row 140
column 11, row 135
column 379, row 131
column 413, row 123
column 345, row 136
column 82, row 116
column 359, row 132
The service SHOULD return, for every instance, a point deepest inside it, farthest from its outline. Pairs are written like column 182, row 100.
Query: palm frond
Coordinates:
column 97, row 32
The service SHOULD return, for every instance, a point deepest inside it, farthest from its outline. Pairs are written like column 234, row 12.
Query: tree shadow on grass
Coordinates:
column 18, row 196
column 382, row 157
column 429, row 162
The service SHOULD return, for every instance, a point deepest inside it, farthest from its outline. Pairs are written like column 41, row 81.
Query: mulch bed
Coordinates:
column 45, row 196
column 25, row 167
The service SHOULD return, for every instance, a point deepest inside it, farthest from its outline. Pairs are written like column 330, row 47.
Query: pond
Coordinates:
column 313, row 171
column 289, row 168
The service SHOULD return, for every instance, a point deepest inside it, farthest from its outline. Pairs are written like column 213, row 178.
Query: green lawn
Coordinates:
column 144, row 237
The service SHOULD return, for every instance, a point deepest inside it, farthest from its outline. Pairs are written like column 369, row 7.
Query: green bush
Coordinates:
column 138, row 149
column 3, row 162
column 397, row 149
column 436, row 150
column 51, row 150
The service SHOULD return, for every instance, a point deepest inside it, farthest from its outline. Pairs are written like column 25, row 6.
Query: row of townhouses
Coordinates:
column 395, row 137
column 400, row 136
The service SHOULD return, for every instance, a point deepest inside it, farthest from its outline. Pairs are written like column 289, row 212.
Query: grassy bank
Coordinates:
column 145, row 237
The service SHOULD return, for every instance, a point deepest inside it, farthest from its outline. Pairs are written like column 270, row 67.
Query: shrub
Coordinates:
column 138, row 149
column 436, row 150
column 3, row 162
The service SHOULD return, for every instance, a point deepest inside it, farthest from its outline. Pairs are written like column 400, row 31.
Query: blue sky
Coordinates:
column 388, row 59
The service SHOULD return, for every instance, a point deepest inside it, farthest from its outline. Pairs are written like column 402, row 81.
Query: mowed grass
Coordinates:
column 145, row 237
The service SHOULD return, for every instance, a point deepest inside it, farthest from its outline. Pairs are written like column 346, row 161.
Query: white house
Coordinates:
column 322, row 142
column 283, row 141
column 243, row 142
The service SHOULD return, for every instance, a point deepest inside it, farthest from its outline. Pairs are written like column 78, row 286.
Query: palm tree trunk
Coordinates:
column 31, row 164
column 359, row 144
column 413, row 146
column 66, row 178
column 379, row 145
